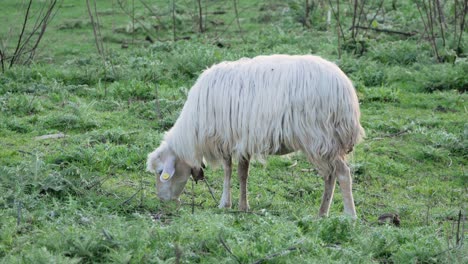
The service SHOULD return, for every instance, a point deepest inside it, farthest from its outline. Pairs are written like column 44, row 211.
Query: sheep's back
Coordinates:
column 254, row 107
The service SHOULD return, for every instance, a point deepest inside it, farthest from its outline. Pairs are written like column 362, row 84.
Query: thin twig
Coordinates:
column 156, row 15
column 98, row 27
column 42, row 25
column 228, row 25
column 353, row 27
column 209, row 189
column 200, row 17
column 143, row 26
column 441, row 21
column 45, row 23
column 373, row 18
column 337, row 17
column 173, row 20
column 96, row 38
column 459, row 238
column 237, row 20
column 130, row 198
column 26, row 16
column 227, row 248
column 98, row 182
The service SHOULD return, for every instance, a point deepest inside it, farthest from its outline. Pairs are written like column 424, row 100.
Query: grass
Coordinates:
column 85, row 197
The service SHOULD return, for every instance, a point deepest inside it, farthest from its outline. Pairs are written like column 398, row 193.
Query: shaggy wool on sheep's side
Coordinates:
column 265, row 105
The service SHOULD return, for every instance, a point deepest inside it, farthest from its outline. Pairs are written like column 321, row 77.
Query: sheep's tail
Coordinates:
column 350, row 138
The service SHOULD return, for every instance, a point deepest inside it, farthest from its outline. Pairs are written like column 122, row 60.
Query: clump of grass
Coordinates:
column 69, row 121
column 380, row 94
column 17, row 125
column 398, row 53
column 20, row 104
column 448, row 77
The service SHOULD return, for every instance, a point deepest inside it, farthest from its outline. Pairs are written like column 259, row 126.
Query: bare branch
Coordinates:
column 21, row 34
column 96, row 38
column 237, row 20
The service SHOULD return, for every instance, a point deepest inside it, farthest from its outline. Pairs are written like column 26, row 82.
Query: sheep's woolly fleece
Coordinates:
column 268, row 104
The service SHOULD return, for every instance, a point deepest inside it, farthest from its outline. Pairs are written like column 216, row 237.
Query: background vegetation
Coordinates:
column 103, row 80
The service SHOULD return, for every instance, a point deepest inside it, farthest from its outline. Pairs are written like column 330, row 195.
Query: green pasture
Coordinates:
column 83, row 196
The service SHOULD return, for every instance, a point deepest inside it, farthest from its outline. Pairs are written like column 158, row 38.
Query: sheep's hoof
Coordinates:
column 224, row 206
column 244, row 208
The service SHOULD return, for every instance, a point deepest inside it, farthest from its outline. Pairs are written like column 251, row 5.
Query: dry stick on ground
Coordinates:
column 131, row 197
column 227, row 248
column 408, row 34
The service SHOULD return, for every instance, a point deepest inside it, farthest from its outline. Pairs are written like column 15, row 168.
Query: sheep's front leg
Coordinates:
column 330, row 180
column 343, row 174
column 243, row 171
column 226, row 197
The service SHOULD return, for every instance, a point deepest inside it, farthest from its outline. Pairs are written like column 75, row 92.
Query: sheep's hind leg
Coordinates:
column 343, row 174
column 243, row 171
column 330, row 180
column 226, row 197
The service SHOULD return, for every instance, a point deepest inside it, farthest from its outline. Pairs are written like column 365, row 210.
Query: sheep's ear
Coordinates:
column 197, row 173
column 169, row 169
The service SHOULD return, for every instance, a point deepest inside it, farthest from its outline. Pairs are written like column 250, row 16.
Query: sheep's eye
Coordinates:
column 159, row 171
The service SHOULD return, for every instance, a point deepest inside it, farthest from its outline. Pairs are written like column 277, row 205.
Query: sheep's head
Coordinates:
column 171, row 172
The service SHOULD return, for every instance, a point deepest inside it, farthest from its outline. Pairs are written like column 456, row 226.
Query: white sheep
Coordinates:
column 251, row 108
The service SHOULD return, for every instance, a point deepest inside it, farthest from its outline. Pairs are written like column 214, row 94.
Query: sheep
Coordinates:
column 250, row 108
